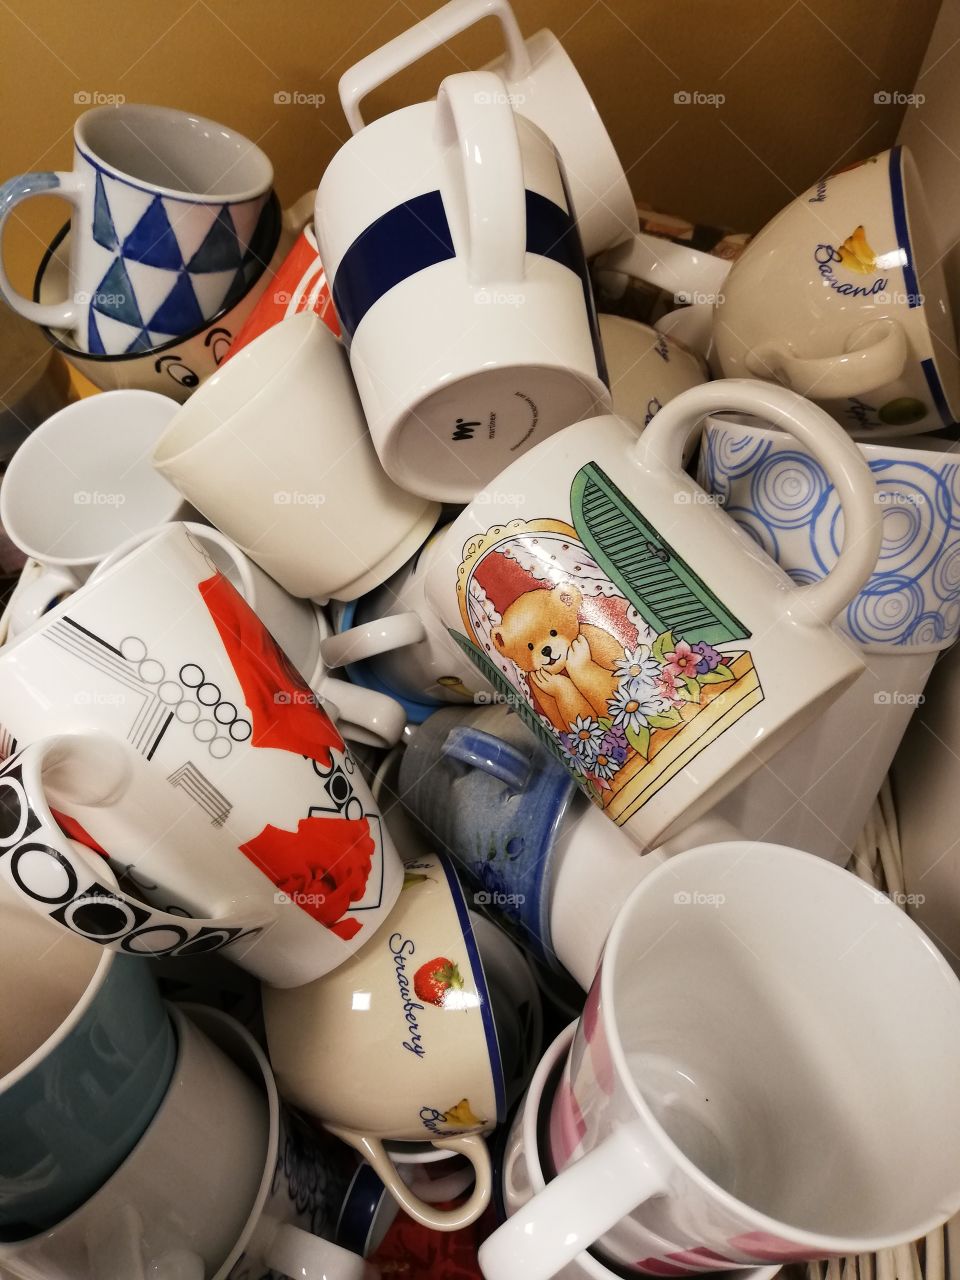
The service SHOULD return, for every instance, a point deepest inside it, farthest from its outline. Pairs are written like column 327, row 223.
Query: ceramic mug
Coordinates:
column 541, row 859
column 690, row 277
column 521, row 1174
column 646, row 369
column 199, row 737
column 417, row 1055
column 461, row 287
column 88, row 1053
column 274, row 450
column 176, row 367
column 79, row 486
column 541, row 83
column 166, row 206
column 742, row 989
column 842, row 297
column 390, row 640
column 298, row 284
column 225, row 1182
column 634, row 626
column 298, row 626
column 781, row 496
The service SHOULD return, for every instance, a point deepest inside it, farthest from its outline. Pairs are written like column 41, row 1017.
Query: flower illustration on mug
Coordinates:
column 637, row 664
column 585, row 737
column 683, row 661
column 635, row 702
column 710, row 658
column 670, row 686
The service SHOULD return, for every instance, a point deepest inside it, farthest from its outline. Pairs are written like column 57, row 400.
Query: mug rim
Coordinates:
column 80, row 1008
column 895, row 452
column 803, row 1238
column 74, row 353
column 158, row 112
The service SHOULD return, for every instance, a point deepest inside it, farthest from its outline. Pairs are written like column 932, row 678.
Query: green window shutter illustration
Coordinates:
column 665, row 591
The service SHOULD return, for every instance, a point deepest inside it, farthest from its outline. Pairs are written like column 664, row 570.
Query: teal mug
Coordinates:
column 86, row 1056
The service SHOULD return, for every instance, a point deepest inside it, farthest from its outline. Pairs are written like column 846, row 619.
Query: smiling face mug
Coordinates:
column 166, row 204
column 635, row 627
column 460, row 284
column 198, row 737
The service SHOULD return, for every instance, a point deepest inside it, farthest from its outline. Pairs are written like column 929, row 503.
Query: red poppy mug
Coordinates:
column 155, row 716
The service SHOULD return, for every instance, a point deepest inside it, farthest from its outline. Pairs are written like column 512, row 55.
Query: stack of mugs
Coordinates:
column 378, row 647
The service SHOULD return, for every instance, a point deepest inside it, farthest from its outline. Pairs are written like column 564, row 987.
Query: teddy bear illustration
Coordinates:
column 568, row 663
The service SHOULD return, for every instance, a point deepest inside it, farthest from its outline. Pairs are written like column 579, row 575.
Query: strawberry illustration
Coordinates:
column 434, row 979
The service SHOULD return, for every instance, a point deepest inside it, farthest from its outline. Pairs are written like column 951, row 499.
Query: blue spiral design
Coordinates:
column 788, row 489
column 945, row 578
column 887, row 612
column 929, row 629
column 949, row 487
column 758, row 529
column 734, row 455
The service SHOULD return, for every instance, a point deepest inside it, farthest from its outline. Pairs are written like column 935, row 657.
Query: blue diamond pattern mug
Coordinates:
column 166, row 206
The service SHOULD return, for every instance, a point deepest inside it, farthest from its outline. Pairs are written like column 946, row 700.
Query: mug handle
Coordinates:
column 47, row 873
column 692, row 276
column 470, row 1145
column 53, row 315
column 417, row 41
column 364, row 715
column 480, row 750
column 473, row 113
column 856, row 372
column 299, row 1253
column 582, row 1203
column 33, row 599
column 372, row 638
column 660, row 449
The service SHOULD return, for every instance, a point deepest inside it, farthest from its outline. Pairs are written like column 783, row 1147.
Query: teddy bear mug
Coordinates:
column 638, row 631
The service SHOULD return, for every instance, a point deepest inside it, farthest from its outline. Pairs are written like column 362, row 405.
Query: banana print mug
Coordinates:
column 635, row 628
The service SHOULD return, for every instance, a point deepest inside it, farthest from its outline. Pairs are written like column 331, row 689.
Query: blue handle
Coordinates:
column 491, row 754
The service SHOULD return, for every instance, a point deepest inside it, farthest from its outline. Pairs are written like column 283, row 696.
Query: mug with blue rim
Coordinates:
column 87, row 1053
column 784, row 499
column 167, row 206
column 460, row 284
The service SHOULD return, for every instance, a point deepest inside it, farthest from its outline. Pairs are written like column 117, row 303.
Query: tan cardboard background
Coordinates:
column 799, row 78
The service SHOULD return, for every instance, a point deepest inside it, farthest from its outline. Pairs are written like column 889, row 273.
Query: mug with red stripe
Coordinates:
column 734, row 1094
column 299, row 285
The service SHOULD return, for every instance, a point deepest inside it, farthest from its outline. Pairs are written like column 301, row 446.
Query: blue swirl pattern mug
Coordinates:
column 784, row 499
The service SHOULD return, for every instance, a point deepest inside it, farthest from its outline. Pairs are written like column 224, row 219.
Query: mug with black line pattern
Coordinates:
column 155, row 710
column 460, row 285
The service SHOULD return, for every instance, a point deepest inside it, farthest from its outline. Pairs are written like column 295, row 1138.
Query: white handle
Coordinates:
column 417, row 41
column 875, row 355
column 470, row 1145
column 582, row 1203
column 303, row 1256
column 364, row 715
column 661, row 448
column 54, row 315
column 690, row 275
column 33, row 599
column 473, row 113
column 370, row 639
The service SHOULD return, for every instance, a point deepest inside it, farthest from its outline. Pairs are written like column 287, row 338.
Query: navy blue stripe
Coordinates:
column 476, row 964
column 903, row 229
column 416, row 235
column 359, row 1211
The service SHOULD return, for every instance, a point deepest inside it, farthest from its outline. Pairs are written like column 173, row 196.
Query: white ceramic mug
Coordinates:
column 80, row 485
column 635, row 627
column 842, row 297
column 645, row 368
column 417, row 1053
column 540, row 83
column 202, row 1193
column 166, row 206
column 522, row 1172
column 273, row 449
column 755, row 1008
column 460, row 285
column 202, row 738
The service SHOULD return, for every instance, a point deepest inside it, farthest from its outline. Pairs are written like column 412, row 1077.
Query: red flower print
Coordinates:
column 285, row 713
column 323, row 866
column 683, row 661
